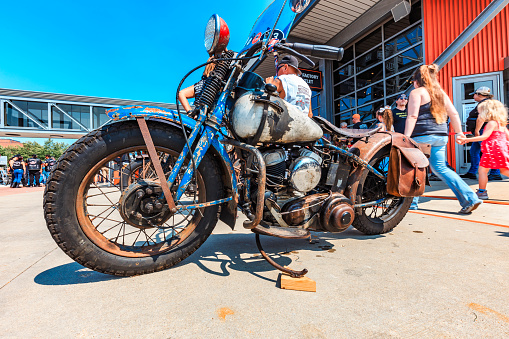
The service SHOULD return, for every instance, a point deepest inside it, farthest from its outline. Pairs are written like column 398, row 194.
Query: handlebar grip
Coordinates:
column 318, row 51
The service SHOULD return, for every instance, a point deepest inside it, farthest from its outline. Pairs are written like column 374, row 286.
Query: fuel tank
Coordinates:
column 284, row 123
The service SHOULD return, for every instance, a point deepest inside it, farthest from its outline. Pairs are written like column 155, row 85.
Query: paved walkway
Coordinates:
column 437, row 274
column 6, row 190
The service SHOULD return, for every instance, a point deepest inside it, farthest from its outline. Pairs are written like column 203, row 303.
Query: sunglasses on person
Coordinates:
column 382, row 109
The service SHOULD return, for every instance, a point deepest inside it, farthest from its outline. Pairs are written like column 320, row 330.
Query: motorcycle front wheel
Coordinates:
column 383, row 217
column 96, row 214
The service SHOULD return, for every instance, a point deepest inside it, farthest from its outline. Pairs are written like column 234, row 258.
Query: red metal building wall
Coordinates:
column 444, row 20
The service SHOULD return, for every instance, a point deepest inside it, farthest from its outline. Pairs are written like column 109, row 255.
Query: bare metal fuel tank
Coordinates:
column 284, row 123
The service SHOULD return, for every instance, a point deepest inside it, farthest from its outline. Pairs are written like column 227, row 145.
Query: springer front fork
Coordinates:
column 208, row 136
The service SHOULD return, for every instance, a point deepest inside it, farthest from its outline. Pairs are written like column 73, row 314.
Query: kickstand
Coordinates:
column 295, row 274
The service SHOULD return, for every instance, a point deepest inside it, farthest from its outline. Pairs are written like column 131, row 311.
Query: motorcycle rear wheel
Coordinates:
column 383, row 217
column 105, row 241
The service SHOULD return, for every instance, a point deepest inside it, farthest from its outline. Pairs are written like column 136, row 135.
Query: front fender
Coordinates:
column 171, row 117
column 150, row 112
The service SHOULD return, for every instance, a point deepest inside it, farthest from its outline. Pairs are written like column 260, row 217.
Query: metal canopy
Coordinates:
column 325, row 21
column 53, row 101
column 328, row 17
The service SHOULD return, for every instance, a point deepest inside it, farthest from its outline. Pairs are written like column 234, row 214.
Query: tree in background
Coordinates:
column 53, row 148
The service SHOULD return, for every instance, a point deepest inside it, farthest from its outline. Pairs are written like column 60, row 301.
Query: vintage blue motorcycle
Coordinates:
column 142, row 193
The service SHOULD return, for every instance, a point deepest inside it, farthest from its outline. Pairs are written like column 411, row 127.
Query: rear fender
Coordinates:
column 365, row 151
column 171, row 117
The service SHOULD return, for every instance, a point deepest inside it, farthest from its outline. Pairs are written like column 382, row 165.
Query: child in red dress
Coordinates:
column 495, row 143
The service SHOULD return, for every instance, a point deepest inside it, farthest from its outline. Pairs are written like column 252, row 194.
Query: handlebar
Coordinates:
column 317, row 51
column 289, row 50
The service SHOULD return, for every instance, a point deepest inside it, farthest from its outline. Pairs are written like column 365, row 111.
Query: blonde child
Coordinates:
column 384, row 116
column 495, row 142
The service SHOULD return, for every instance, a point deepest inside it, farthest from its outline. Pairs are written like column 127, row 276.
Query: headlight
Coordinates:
column 217, row 35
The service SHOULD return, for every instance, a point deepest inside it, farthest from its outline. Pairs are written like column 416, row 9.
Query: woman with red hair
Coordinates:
column 428, row 110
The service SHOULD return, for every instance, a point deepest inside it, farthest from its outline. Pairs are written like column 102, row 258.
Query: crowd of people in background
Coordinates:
column 426, row 116
column 30, row 173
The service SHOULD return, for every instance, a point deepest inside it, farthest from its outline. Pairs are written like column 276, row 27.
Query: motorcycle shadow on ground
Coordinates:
column 232, row 251
column 71, row 274
column 238, row 252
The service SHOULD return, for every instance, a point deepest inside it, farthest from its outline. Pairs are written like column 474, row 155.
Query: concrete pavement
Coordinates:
column 438, row 274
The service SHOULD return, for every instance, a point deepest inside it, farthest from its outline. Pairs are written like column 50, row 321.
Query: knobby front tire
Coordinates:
column 81, row 201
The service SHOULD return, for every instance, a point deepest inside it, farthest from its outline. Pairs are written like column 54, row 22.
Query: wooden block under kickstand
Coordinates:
column 298, row 284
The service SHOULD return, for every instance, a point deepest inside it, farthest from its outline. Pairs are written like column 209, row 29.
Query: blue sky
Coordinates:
column 118, row 49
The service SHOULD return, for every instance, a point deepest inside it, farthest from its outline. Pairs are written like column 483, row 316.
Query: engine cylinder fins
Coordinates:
column 337, row 213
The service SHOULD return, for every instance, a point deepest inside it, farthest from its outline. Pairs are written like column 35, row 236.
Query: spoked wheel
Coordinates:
column 121, row 223
column 388, row 213
column 112, row 217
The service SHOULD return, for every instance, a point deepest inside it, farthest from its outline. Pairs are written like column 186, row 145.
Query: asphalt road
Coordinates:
column 437, row 274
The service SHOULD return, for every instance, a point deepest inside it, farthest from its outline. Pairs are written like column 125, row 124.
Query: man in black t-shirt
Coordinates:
column 34, row 166
column 357, row 122
column 399, row 114
column 49, row 165
column 476, row 126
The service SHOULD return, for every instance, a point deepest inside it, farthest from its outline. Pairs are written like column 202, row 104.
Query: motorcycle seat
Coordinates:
column 328, row 127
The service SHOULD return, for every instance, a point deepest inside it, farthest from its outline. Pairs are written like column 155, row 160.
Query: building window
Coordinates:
column 79, row 113
column 37, row 111
column 99, row 116
column 377, row 68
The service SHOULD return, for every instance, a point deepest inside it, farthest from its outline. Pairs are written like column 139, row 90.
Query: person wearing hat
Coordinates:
column 475, row 126
column 34, row 165
column 399, row 114
column 290, row 86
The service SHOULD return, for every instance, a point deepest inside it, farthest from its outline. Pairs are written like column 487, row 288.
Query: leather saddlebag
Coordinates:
column 408, row 169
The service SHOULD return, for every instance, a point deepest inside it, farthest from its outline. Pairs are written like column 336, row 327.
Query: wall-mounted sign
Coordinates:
column 312, row 78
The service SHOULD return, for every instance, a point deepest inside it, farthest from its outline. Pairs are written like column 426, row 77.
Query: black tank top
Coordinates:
column 17, row 165
column 426, row 124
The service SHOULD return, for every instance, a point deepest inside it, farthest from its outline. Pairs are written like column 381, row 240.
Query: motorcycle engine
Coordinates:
column 304, row 172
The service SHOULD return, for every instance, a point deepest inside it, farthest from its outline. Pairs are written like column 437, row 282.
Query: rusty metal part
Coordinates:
column 310, row 223
column 262, row 179
column 132, row 202
column 337, row 213
column 295, row 274
column 155, row 161
column 282, row 232
column 275, row 211
column 297, row 211
column 364, row 151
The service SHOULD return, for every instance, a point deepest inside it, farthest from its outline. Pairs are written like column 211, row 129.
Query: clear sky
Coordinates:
column 117, row 49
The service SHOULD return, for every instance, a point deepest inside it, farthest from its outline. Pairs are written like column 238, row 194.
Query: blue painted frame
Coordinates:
column 210, row 135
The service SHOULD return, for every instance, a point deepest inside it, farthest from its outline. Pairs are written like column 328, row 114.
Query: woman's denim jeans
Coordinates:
column 17, row 176
column 461, row 190
column 475, row 157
